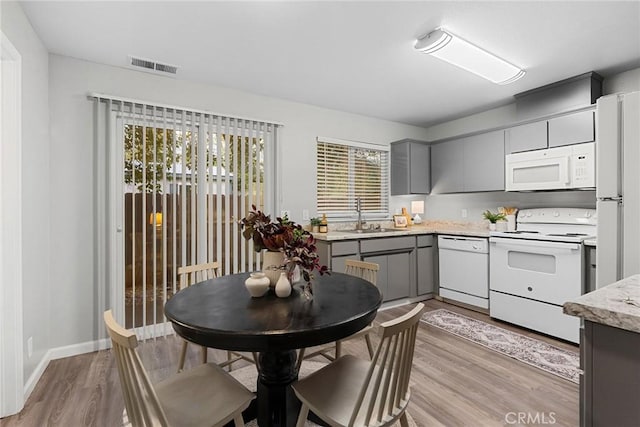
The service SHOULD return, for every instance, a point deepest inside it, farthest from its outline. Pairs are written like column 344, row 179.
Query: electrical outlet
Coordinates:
column 29, row 347
column 285, row 213
column 464, row 213
column 305, row 214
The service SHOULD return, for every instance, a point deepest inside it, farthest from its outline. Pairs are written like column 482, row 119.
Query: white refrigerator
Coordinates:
column 618, row 187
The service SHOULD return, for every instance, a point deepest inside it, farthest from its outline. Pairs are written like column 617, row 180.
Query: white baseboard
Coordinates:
column 36, row 375
column 60, row 353
column 404, row 301
column 81, row 348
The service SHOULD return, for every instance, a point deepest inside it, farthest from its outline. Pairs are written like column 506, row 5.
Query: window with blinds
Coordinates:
column 350, row 170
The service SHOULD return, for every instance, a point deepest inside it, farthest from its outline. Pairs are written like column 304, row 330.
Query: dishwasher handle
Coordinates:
column 462, row 243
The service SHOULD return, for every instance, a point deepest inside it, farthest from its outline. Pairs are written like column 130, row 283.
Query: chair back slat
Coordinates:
column 141, row 401
column 191, row 274
column 394, row 372
column 381, row 351
column 385, row 391
column 365, row 270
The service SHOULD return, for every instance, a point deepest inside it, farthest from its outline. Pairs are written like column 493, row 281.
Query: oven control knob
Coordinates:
column 529, row 288
column 556, row 214
column 587, row 214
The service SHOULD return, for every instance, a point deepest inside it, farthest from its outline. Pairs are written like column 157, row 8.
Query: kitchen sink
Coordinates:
column 368, row 231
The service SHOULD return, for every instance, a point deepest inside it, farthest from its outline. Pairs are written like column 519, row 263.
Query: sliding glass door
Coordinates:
column 180, row 182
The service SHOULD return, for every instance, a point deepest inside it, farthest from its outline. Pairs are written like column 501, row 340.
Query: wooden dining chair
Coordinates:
column 203, row 396
column 369, row 272
column 355, row 392
column 188, row 276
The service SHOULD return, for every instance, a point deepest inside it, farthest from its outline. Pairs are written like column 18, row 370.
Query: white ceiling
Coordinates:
column 350, row 56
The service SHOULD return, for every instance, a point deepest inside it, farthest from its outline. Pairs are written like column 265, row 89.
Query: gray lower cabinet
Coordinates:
column 395, row 275
column 425, row 261
column 406, row 262
column 590, row 266
column 334, row 254
column 610, row 385
column 410, row 167
column 338, row 262
column 396, row 257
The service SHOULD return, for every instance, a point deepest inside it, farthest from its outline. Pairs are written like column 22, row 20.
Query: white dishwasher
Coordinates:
column 464, row 269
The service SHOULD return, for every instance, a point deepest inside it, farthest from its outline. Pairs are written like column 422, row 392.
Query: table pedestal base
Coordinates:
column 277, row 403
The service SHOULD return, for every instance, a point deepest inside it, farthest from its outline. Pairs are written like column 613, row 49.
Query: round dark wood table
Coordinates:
column 220, row 313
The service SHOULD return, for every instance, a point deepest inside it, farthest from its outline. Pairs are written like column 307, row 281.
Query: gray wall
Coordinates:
column 36, row 207
column 71, row 134
column 449, row 206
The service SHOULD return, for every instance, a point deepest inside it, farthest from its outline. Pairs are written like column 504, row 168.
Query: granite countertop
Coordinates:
column 591, row 242
column 607, row 305
column 471, row 229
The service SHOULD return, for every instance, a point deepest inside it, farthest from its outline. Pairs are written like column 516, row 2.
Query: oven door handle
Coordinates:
column 514, row 243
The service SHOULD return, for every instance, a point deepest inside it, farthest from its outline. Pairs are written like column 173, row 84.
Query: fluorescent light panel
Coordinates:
column 450, row 48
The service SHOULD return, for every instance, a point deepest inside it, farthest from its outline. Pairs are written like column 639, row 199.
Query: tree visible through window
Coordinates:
column 180, row 209
column 158, row 160
column 346, row 172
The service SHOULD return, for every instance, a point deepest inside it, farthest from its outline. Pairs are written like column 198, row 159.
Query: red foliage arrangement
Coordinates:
column 286, row 236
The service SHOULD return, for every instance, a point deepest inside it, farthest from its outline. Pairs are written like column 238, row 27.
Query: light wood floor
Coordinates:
column 454, row 382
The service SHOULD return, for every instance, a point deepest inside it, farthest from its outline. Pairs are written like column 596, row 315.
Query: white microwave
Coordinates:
column 568, row 167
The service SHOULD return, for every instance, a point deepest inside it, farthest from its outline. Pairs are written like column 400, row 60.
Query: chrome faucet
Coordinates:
column 360, row 222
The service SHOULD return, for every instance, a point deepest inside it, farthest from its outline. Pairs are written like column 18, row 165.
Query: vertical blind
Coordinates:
column 349, row 170
column 177, row 184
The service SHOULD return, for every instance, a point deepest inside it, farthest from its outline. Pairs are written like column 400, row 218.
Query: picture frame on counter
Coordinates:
column 400, row 221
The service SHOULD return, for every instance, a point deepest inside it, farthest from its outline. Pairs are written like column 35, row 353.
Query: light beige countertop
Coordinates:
column 617, row 305
column 591, row 242
column 460, row 228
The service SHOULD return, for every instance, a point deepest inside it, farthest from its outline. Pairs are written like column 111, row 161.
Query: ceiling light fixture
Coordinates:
column 450, row 48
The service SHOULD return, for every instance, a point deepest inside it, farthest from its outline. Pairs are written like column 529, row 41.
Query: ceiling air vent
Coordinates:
column 152, row 65
column 166, row 68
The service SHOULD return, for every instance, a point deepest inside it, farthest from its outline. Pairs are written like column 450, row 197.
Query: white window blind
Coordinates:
column 349, row 170
column 176, row 183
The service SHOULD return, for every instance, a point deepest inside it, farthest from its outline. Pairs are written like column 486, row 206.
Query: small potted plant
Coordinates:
column 315, row 225
column 493, row 218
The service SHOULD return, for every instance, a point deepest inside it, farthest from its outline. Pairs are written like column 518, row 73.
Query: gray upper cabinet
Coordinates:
column 483, row 160
column 410, row 167
column 532, row 136
column 447, row 167
column 573, row 128
column 474, row 163
column 568, row 129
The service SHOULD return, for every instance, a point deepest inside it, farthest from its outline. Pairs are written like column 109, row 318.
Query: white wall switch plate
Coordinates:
column 30, row 347
column 464, row 213
column 305, row 214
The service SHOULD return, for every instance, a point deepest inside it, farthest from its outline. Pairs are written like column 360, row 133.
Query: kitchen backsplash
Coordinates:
column 438, row 224
column 451, row 206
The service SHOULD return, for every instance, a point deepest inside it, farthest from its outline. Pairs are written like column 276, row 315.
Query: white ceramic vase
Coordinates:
column 271, row 265
column 283, row 286
column 492, row 226
column 511, row 223
column 257, row 284
column 296, row 275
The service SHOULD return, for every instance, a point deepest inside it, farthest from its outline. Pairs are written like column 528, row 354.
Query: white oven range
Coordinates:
column 537, row 268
